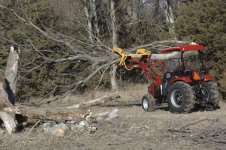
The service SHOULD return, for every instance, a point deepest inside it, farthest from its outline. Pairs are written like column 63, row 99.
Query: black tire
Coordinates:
column 148, row 103
column 212, row 95
column 181, row 98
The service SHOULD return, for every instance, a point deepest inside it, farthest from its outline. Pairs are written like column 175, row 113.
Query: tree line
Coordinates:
column 64, row 42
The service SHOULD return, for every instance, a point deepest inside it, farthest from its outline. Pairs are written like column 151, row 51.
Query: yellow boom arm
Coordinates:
column 124, row 54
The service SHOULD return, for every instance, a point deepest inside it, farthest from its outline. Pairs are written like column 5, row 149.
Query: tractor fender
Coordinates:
column 208, row 78
column 185, row 79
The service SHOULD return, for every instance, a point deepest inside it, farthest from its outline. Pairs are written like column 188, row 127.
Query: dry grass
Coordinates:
column 133, row 92
column 129, row 92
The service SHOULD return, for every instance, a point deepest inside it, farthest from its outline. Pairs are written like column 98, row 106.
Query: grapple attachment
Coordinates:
column 140, row 53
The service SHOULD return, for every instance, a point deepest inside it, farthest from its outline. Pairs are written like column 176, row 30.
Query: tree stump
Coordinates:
column 7, row 92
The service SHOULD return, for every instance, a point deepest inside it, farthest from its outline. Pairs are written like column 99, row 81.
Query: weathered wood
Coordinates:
column 9, row 121
column 33, row 115
column 3, row 94
column 7, row 113
column 8, row 91
column 95, row 102
column 11, row 74
column 114, row 86
column 168, row 13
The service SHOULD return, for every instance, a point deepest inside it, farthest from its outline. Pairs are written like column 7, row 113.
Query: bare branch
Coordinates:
column 82, row 82
column 160, row 44
column 79, row 56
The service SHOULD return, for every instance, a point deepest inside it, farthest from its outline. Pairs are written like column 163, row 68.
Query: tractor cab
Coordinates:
column 187, row 64
column 186, row 69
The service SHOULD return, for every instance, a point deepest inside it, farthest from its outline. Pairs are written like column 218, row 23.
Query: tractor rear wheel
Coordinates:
column 181, row 98
column 211, row 95
column 148, row 103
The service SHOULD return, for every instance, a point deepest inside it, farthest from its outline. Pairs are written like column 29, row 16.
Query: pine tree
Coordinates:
column 204, row 22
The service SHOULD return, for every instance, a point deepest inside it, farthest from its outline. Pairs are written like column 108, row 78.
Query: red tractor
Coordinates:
column 178, row 77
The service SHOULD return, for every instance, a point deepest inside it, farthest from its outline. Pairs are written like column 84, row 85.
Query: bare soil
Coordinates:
column 133, row 129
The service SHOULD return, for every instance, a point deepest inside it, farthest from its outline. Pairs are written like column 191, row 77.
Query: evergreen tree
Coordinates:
column 204, row 22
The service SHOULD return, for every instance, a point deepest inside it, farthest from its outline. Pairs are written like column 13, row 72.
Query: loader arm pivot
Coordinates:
column 142, row 59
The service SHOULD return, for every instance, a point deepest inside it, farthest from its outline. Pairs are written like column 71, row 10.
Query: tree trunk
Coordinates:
column 132, row 11
column 8, row 92
column 95, row 22
column 113, row 24
column 114, row 86
column 86, row 4
column 11, row 74
column 168, row 12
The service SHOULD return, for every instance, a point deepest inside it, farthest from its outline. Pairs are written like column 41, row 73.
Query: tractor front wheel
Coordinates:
column 181, row 98
column 148, row 103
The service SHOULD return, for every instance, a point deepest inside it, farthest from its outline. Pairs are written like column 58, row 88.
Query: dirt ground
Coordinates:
column 133, row 129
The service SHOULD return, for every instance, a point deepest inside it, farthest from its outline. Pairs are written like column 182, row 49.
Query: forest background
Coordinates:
column 65, row 45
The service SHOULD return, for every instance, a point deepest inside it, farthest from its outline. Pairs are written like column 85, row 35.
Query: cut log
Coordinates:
column 95, row 102
column 49, row 116
column 30, row 115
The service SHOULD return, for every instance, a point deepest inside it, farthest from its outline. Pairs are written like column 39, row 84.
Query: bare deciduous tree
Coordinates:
column 166, row 7
column 99, row 26
column 113, row 23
